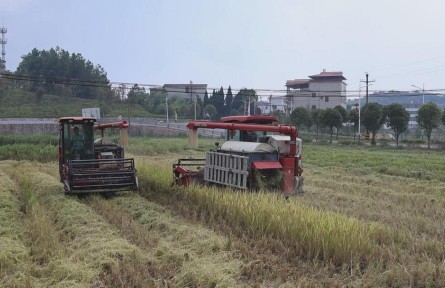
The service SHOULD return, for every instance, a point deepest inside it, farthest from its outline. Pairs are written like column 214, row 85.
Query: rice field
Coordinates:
column 368, row 218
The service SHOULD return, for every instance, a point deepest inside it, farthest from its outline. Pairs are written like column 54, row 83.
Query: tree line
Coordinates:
column 58, row 72
column 212, row 106
column 372, row 116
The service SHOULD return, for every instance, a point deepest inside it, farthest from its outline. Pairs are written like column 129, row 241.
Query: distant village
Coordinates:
column 320, row 91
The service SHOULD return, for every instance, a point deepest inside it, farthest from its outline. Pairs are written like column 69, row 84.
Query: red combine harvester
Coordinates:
column 257, row 154
column 86, row 165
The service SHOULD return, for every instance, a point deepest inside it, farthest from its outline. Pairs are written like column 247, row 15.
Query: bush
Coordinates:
column 51, row 140
column 29, row 152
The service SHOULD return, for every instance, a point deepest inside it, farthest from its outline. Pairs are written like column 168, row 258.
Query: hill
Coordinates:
column 20, row 103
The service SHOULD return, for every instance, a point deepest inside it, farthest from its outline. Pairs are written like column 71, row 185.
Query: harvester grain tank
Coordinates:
column 86, row 165
column 257, row 154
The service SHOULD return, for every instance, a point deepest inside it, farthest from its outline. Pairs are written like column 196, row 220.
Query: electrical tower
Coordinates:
column 3, row 41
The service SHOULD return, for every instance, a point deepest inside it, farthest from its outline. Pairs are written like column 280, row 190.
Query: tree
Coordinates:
column 331, row 118
column 137, row 95
column 244, row 96
column 218, row 102
column 344, row 116
column 229, row 101
column 299, row 116
column 316, row 116
column 353, row 118
column 428, row 118
column 280, row 115
column 200, row 106
column 210, row 110
column 156, row 104
column 397, row 118
column 58, row 66
column 443, row 117
column 206, row 98
column 373, row 118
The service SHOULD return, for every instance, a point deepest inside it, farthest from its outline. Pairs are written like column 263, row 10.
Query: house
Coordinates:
column 320, row 91
column 412, row 123
column 185, row 91
column 277, row 103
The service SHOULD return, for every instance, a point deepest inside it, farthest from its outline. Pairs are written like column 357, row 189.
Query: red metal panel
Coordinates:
column 120, row 124
column 289, row 174
column 266, row 165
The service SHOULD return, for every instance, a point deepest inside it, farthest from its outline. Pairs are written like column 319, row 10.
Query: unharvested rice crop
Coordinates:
column 368, row 218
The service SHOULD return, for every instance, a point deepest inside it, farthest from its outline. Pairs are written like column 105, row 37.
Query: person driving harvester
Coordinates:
column 76, row 143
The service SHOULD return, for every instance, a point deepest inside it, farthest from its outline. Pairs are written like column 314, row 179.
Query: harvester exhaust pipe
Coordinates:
column 193, row 138
column 123, row 137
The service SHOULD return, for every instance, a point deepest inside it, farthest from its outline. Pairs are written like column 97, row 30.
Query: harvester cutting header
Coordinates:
column 257, row 154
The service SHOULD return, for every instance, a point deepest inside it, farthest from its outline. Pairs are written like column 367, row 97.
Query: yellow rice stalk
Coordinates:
column 13, row 251
column 92, row 248
column 313, row 233
column 197, row 251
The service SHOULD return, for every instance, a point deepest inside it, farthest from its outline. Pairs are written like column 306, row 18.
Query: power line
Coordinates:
column 127, row 86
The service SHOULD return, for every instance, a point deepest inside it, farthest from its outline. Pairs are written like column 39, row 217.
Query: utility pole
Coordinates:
column 3, row 42
column 166, row 108
column 191, row 97
column 367, row 83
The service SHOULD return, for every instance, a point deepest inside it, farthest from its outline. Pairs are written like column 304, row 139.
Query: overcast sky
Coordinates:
column 243, row 43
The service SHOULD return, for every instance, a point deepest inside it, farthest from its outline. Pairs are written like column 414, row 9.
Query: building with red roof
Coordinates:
column 320, row 91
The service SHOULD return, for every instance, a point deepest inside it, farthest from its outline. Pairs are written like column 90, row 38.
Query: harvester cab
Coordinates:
column 86, row 165
column 258, row 154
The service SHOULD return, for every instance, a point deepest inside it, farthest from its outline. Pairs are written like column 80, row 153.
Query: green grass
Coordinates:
column 28, row 152
column 51, row 140
column 410, row 163
column 41, row 148
column 150, row 146
column 19, row 103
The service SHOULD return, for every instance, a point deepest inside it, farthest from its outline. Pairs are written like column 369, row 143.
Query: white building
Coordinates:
column 185, row 91
column 277, row 103
column 321, row 91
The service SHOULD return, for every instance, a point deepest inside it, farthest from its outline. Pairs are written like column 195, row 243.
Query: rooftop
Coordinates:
column 297, row 82
column 325, row 74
